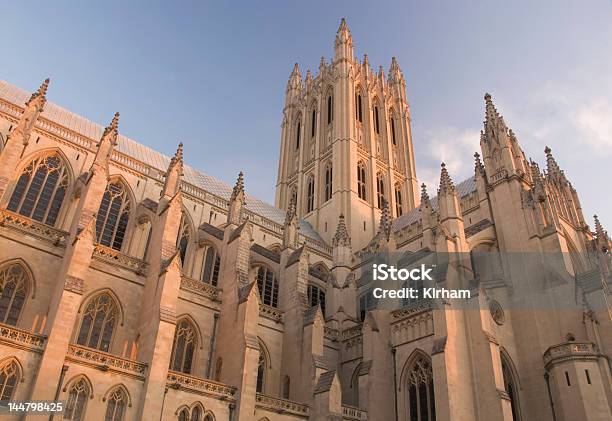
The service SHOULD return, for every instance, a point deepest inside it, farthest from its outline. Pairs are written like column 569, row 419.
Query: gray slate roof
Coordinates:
column 140, row 152
column 463, row 189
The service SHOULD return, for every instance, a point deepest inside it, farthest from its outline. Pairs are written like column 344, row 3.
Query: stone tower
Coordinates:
column 346, row 144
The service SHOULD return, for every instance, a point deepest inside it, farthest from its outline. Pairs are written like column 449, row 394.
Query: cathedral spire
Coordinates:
column 341, row 238
column 344, row 42
column 107, row 142
column 236, row 201
column 172, row 184
column 493, row 120
column 39, row 98
column 446, row 184
column 395, row 73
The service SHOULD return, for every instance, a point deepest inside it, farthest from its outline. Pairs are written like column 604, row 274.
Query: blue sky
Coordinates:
column 213, row 75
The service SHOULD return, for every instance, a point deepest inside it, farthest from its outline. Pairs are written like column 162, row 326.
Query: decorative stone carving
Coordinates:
column 74, row 284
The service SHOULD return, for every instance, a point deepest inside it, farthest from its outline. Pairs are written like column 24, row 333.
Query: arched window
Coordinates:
column 358, row 108
column 9, row 377
column 393, row 138
column 116, row 404
column 183, row 415
column 297, row 135
column 510, row 387
column 196, row 413
column 185, row 342
column 268, row 286
column 212, row 265
column 14, row 283
column 261, row 372
column 310, row 197
column 182, row 239
column 209, row 417
column 40, row 189
column 316, row 296
column 361, row 180
column 328, row 181
column 398, row 200
column 421, row 399
column 113, row 215
column 376, row 120
column 330, row 109
column 313, row 123
column 77, row 401
column 99, row 320
column 380, row 189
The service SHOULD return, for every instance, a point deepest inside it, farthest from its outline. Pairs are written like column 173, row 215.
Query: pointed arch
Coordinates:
column 211, row 265
column 11, row 374
column 380, row 189
column 328, row 178
column 355, row 385
column 263, row 366
column 358, row 104
column 114, row 296
column 117, row 400
column 183, row 414
column 361, row 180
column 209, row 416
column 399, row 203
column 186, row 341
column 276, row 247
column 99, row 320
column 16, row 284
column 41, row 186
column 184, row 236
column 511, row 383
column 181, row 408
column 197, row 411
column 114, row 213
column 417, row 380
column 310, row 193
column 267, row 284
column 79, row 390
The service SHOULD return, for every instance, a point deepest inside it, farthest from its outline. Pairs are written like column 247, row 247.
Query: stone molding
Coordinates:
column 271, row 313
column 570, row 351
column 351, row 413
column 199, row 385
column 18, row 338
column 74, row 284
column 31, row 227
column 167, row 314
column 106, row 362
column 281, row 406
column 116, row 258
column 201, row 288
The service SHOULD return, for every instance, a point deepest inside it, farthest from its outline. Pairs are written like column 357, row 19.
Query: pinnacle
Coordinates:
column 551, row 164
column 424, row 195
column 385, row 219
column 40, row 93
column 446, row 184
column 178, row 156
column 343, row 26
column 113, row 127
column 341, row 238
column 477, row 162
column 239, row 186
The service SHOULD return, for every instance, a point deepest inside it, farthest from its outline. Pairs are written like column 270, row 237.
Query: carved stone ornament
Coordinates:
column 497, row 313
column 74, row 284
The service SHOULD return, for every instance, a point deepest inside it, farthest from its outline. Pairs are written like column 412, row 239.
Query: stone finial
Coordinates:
column 601, row 236
column 172, row 183
column 308, row 78
column 385, row 219
column 344, row 33
column 113, row 128
column 107, row 142
column 366, row 61
column 552, row 168
column 39, row 98
column 424, row 195
column 295, row 79
column 492, row 118
column 446, row 184
column 341, row 238
column 238, row 190
column 381, row 73
column 395, row 73
column 478, row 166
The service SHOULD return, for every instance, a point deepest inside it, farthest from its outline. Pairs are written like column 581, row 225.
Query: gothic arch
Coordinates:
column 416, row 354
column 264, row 366
column 76, row 378
column 105, row 290
column 13, row 360
column 128, row 207
column 181, row 408
column 210, row 416
column 51, row 195
column 276, row 247
column 265, row 284
column 195, row 325
column 511, row 383
column 123, row 388
column 263, row 348
column 28, row 272
column 506, row 356
column 322, row 268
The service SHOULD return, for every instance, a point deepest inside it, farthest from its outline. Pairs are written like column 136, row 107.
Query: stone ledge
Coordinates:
column 176, row 380
column 105, row 361
column 22, row 339
column 281, row 406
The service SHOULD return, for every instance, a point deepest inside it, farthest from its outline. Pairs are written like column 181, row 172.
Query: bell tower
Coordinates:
column 346, row 144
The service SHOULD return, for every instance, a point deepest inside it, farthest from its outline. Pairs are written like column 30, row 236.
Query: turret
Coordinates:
column 343, row 47
column 294, row 85
column 448, row 200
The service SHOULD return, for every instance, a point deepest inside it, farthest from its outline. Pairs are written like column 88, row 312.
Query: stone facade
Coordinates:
column 135, row 287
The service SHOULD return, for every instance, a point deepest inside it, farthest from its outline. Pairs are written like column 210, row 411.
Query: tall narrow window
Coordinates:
column 77, row 401
column 286, row 387
column 212, row 264
column 98, row 324
column 376, row 120
column 40, row 189
column 361, row 180
column 510, row 387
column 268, row 286
column 113, row 215
column 422, row 405
column 9, row 377
column 196, row 414
column 313, row 123
column 393, row 138
column 380, row 189
column 316, row 296
column 183, row 415
column 328, row 181
column 261, row 369
column 185, row 342
column 359, row 109
column 182, row 240
column 297, row 135
column 330, row 109
column 310, row 195
column 14, row 283
column 116, row 404
column 398, row 200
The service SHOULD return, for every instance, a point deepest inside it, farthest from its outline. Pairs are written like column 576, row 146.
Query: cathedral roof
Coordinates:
column 148, row 156
column 463, row 189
